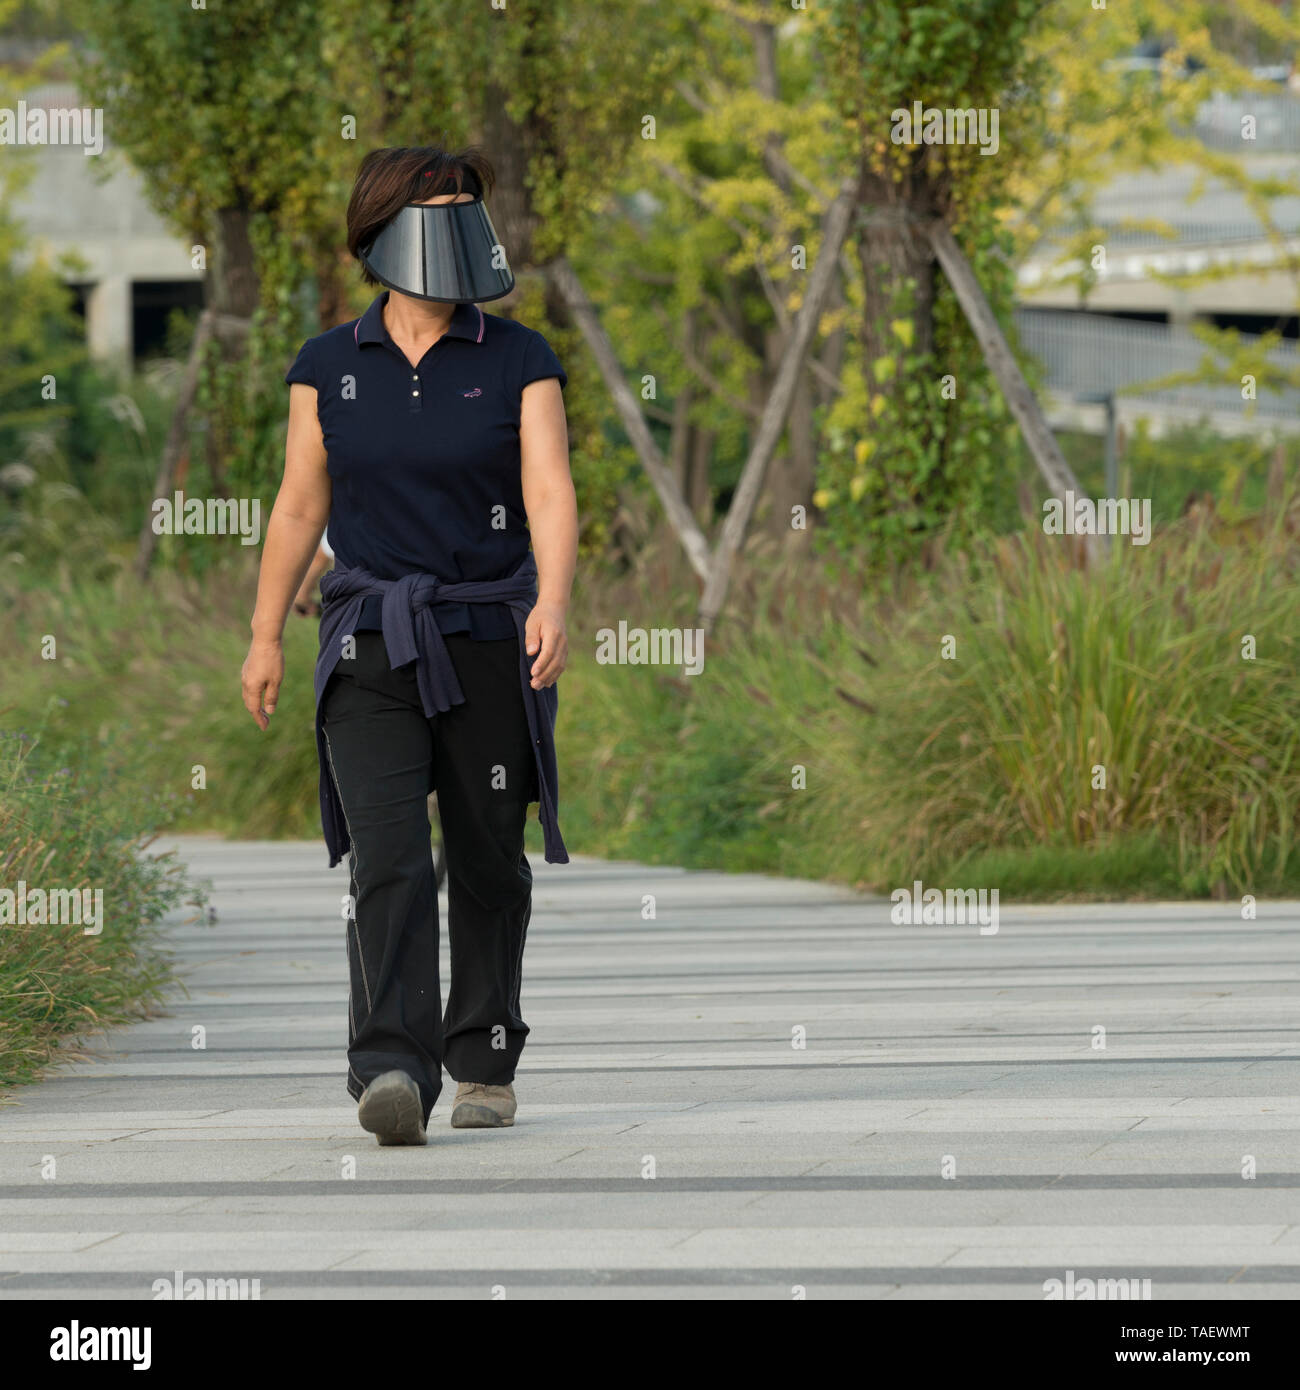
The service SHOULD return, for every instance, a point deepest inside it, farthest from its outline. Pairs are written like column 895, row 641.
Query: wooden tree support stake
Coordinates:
column 1021, row 401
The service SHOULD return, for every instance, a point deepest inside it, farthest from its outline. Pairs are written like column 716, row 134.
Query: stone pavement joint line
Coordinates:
column 769, row 1085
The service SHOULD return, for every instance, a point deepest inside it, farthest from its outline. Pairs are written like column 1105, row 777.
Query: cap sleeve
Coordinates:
column 540, row 361
column 304, row 366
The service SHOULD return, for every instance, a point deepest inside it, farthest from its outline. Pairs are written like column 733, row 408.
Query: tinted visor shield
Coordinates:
column 443, row 251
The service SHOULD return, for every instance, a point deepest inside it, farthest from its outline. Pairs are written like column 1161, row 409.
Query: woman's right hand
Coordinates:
column 261, row 678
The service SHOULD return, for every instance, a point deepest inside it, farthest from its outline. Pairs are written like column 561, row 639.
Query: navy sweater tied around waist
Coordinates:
column 411, row 635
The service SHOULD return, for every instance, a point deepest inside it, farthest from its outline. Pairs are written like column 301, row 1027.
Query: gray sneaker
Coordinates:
column 390, row 1109
column 483, row 1107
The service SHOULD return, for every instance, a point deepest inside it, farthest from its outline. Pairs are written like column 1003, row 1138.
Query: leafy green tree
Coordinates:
column 689, row 241
column 916, row 440
column 276, row 103
column 903, row 456
column 40, row 337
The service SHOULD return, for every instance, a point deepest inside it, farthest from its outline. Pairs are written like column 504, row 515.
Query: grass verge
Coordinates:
column 1005, row 721
column 79, row 902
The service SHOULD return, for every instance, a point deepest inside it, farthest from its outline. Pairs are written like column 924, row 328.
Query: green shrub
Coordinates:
column 154, row 670
column 1138, row 671
column 978, row 769
column 77, row 826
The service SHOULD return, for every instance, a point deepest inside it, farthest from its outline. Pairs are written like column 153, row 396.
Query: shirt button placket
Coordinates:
column 416, row 401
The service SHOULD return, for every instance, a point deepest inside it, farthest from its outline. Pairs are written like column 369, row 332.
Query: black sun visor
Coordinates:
column 443, row 251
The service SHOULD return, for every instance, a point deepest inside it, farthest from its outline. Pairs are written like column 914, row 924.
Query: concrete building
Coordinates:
column 1204, row 256
column 1217, row 230
column 132, row 269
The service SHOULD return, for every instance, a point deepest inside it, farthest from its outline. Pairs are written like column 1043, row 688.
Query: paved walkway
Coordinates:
column 665, row 1047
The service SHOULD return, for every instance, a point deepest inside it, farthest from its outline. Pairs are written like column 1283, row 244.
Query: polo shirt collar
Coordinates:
column 466, row 322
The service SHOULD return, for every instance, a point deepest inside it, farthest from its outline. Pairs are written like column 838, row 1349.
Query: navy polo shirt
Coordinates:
column 424, row 460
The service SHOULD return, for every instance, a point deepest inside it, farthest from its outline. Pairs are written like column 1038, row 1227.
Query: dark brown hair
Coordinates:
column 388, row 179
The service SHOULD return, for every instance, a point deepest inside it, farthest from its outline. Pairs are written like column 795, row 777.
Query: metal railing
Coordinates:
column 1086, row 355
column 1276, row 116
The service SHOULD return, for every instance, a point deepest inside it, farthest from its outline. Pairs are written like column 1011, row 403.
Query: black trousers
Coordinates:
column 386, row 757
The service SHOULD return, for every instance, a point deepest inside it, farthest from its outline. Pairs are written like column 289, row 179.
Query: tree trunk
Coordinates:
column 513, row 148
column 679, row 445
column 174, row 445
column 235, row 295
column 334, row 272
column 235, row 287
column 832, row 358
column 518, row 148
column 889, row 253
column 790, row 480
column 699, row 483
column 834, row 231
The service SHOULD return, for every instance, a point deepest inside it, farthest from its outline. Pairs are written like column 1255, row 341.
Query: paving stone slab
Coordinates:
column 669, row 1043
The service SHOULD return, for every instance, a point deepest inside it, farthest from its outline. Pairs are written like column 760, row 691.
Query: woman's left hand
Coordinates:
column 546, row 640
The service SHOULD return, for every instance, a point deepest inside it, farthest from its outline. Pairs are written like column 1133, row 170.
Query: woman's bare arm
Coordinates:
column 293, row 534
column 552, row 508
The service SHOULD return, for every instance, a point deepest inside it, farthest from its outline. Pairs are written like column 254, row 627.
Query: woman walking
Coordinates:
column 431, row 437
